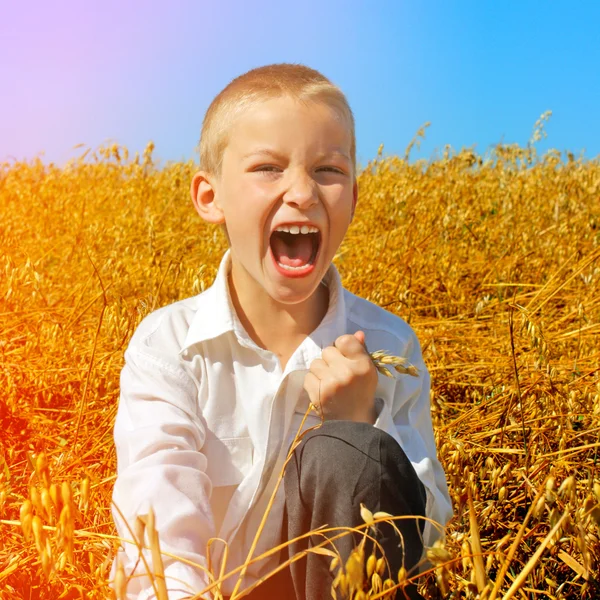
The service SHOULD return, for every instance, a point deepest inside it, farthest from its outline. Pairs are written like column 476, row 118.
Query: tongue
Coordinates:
column 293, row 250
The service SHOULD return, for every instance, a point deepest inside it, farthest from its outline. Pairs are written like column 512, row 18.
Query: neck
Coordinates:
column 277, row 327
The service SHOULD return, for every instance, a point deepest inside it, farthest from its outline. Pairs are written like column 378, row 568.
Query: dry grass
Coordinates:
column 493, row 260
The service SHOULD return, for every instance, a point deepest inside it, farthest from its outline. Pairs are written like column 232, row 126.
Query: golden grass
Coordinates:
column 493, row 260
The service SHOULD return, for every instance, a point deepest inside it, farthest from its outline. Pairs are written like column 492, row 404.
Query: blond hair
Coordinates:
column 264, row 83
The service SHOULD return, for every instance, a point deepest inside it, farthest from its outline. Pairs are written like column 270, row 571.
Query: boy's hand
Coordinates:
column 342, row 383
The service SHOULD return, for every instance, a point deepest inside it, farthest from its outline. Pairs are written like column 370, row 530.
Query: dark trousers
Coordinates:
column 336, row 468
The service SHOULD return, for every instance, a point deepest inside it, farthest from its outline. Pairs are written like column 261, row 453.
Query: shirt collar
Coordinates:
column 215, row 313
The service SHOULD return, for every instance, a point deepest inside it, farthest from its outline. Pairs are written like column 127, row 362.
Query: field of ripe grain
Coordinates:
column 495, row 261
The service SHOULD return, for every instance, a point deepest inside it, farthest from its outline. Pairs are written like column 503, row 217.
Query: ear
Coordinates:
column 354, row 198
column 203, row 197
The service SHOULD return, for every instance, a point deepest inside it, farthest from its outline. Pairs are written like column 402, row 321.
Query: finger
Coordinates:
column 331, row 355
column 360, row 336
column 312, row 385
column 319, row 368
column 350, row 346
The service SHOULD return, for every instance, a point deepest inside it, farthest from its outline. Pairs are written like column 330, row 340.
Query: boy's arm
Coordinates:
column 159, row 437
column 408, row 420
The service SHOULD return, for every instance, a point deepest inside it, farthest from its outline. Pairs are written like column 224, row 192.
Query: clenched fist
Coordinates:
column 342, row 383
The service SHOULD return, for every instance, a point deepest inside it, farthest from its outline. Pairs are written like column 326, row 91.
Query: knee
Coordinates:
column 330, row 465
column 356, row 456
column 339, row 454
column 348, row 440
column 336, row 442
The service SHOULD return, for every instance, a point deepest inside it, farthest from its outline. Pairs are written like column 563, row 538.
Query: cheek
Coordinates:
column 250, row 199
column 341, row 210
column 342, row 195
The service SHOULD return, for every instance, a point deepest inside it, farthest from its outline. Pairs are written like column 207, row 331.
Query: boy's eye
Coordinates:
column 268, row 168
column 332, row 169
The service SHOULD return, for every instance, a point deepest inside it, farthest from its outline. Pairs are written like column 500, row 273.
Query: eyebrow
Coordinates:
column 273, row 153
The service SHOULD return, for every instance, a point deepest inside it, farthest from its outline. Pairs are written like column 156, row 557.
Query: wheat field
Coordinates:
column 495, row 262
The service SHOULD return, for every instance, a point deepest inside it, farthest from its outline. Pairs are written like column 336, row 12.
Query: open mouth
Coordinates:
column 295, row 248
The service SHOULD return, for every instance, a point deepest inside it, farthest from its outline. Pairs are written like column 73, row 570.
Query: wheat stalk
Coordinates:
column 387, row 364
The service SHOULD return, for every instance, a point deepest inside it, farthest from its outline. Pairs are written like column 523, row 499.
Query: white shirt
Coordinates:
column 206, row 417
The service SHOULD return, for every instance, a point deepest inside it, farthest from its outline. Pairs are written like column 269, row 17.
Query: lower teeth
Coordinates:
column 289, row 268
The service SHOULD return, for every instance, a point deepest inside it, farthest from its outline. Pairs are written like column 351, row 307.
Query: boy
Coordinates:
column 214, row 387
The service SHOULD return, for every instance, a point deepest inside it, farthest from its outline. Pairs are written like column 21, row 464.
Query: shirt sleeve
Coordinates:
column 408, row 420
column 159, row 436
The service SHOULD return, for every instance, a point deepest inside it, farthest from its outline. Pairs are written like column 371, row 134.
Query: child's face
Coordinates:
column 286, row 166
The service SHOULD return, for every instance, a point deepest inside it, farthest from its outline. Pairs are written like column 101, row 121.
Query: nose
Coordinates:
column 302, row 191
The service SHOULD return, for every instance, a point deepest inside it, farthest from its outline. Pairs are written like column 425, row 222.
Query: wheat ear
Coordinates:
column 386, row 364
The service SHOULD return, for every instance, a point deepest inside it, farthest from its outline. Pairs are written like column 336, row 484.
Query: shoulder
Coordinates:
column 154, row 355
column 165, row 328
column 383, row 329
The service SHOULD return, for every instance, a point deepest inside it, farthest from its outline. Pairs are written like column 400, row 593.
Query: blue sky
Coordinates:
column 130, row 72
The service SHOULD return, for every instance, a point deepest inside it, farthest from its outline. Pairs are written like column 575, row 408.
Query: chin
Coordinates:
column 289, row 296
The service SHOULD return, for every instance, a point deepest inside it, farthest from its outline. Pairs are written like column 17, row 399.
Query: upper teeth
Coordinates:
column 295, row 229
